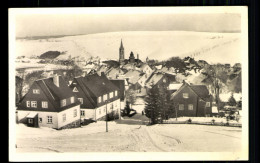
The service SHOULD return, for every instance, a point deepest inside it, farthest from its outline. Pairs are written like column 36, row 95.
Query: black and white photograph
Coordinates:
column 128, row 83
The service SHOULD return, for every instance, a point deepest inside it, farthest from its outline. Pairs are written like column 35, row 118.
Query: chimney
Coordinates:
column 56, row 80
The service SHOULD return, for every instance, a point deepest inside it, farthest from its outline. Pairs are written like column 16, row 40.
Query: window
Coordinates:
column 75, row 89
column 99, row 111
column 30, row 121
column 64, row 117
column 111, row 95
column 40, row 120
column 63, row 102
column 28, row 103
column 75, row 113
column 207, row 104
column 82, row 112
column 185, row 95
column 111, row 106
column 72, row 100
column 115, row 104
column 104, row 110
column 105, row 97
column 44, row 104
column 36, row 91
column 99, row 99
column 49, row 119
column 80, row 100
column 34, row 104
column 181, row 107
column 190, row 107
column 115, row 93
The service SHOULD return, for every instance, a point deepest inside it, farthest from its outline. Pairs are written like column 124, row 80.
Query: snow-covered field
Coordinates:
column 130, row 135
column 154, row 44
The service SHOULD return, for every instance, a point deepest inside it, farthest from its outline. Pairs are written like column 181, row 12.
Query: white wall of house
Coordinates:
column 22, row 114
column 89, row 113
column 69, row 116
column 101, row 111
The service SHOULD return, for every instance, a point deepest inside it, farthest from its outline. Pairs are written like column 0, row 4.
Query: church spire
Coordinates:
column 121, row 53
column 121, row 46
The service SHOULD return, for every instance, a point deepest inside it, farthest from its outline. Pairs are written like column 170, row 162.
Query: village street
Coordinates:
column 130, row 135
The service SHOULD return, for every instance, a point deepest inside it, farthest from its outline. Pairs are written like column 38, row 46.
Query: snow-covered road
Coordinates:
column 130, row 135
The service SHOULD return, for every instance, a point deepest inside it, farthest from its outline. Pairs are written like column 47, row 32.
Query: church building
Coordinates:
column 131, row 60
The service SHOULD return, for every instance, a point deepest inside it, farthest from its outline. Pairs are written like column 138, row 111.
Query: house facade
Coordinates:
column 193, row 100
column 97, row 95
column 49, row 103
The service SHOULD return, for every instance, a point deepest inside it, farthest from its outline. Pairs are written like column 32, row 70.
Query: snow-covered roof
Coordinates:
column 155, row 78
column 31, row 115
column 159, row 67
column 175, row 86
column 133, row 76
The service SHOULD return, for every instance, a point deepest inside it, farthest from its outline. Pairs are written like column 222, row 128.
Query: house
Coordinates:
column 97, row 95
column 145, row 68
column 158, row 78
column 114, row 73
column 193, row 100
column 102, row 68
column 132, row 76
column 49, row 103
column 120, row 83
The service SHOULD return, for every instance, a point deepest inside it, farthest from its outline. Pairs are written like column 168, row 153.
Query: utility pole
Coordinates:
column 176, row 109
column 106, row 118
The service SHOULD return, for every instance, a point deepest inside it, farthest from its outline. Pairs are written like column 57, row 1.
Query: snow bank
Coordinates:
column 225, row 96
column 203, row 120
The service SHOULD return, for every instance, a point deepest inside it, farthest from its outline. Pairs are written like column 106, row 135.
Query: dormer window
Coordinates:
column 185, row 95
column 115, row 93
column 111, row 95
column 80, row 100
column 99, row 99
column 44, row 104
column 34, row 104
column 63, row 102
column 105, row 97
column 72, row 100
column 28, row 103
column 36, row 91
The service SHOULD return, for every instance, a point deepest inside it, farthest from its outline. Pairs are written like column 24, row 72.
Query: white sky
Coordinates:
column 44, row 24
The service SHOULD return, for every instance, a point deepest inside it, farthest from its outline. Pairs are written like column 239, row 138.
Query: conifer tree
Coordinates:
column 152, row 105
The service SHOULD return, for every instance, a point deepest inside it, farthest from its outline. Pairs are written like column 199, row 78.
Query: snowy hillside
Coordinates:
column 154, row 44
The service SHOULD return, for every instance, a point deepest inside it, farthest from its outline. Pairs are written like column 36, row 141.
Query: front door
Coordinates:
column 30, row 122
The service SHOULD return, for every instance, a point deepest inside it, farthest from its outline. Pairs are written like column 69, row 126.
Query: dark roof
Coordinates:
column 201, row 90
column 99, row 85
column 61, row 92
column 121, row 86
column 91, row 103
column 55, row 94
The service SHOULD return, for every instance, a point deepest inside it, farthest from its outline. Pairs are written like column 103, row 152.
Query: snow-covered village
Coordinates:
column 129, row 91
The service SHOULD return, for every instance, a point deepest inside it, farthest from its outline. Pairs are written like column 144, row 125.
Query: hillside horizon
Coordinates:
column 159, row 45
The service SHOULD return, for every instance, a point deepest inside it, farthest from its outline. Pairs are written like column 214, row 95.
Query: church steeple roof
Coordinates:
column 121, row 46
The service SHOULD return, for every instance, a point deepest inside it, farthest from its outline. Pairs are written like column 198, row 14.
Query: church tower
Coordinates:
column 121, row 53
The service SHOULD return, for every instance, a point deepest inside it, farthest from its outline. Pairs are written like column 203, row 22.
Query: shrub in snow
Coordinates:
column 213, row 121
column 189, row 120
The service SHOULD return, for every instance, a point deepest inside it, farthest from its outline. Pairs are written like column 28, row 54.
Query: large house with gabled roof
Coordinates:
column 97, row 95
column 49, row 103
column 193, row 100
